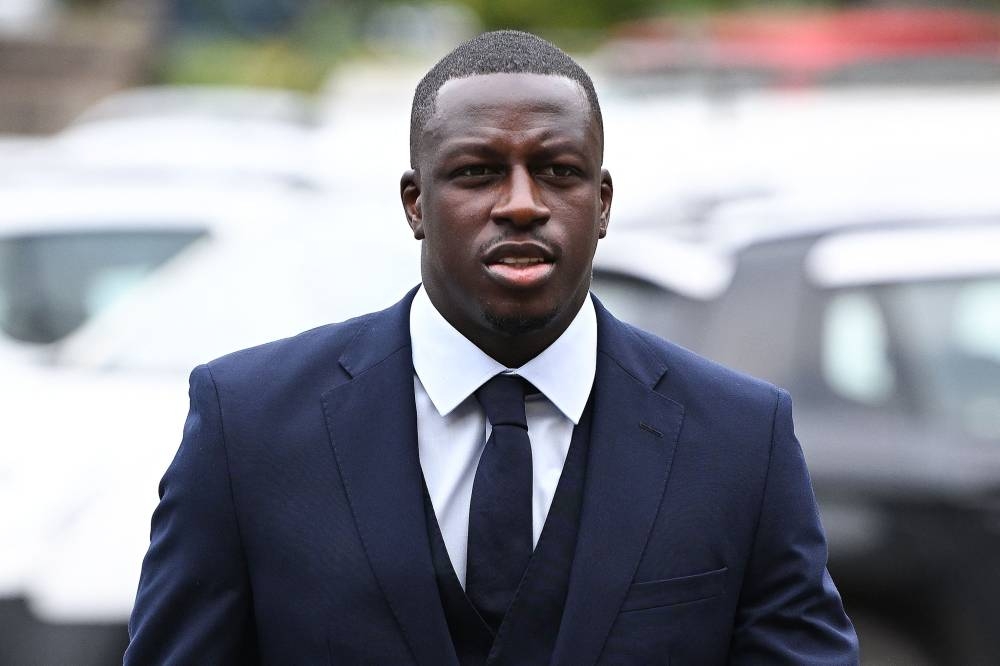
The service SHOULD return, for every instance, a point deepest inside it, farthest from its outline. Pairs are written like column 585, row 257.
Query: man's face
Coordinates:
column 510, row 199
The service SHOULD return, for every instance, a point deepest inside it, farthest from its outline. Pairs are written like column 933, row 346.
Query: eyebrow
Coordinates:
column 467, row 146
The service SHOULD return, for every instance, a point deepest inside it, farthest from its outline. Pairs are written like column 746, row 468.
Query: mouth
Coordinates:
column 520, row 265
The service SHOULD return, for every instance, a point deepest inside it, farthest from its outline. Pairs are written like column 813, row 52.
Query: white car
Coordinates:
column 68, row 249
column 677, row 158
column 225, row 136
column 99, row 426
column 236, row 103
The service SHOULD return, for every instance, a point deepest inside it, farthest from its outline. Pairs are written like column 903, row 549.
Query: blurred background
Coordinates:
column 807, row 191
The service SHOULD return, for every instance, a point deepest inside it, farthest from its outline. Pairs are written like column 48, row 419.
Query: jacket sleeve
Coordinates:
column 790, row 611
column 194, row 602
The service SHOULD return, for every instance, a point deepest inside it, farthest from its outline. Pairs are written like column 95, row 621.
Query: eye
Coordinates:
column 473, row 171
column 559, row 171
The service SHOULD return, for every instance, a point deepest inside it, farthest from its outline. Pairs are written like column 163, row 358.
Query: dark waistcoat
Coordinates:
column 528, row 632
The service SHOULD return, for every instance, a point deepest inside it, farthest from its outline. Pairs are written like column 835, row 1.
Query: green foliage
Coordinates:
column 598, row 15
column 242, row 62
column 300, row 59
column 581, row 14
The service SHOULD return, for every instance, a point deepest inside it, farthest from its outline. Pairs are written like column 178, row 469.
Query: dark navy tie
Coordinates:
column 500, row 538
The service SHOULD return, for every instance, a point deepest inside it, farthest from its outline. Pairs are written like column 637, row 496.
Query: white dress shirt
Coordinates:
column 452, row 428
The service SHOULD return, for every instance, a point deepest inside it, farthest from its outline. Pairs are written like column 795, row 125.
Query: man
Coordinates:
column 494, row 470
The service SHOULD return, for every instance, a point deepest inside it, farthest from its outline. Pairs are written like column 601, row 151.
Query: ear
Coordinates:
column 607, row 192
column 409, row 193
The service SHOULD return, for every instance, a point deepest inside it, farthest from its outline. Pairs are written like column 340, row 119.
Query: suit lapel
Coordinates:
column 372, row 425
column 634, row 432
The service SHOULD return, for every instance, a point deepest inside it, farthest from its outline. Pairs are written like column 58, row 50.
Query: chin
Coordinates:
column 518, row 323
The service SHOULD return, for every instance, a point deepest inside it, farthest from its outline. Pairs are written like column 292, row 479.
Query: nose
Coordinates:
column 519, row 202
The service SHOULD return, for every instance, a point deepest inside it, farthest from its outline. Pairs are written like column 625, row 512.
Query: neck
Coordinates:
column 514, row 351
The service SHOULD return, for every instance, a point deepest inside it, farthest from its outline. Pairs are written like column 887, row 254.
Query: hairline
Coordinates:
column 594, row 117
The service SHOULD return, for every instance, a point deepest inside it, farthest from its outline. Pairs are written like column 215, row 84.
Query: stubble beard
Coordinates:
column 513, row 325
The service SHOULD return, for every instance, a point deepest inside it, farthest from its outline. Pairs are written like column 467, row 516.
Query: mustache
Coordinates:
column 520, row 237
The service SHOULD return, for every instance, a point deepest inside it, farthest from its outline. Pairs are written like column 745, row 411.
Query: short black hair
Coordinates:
column 498, row 52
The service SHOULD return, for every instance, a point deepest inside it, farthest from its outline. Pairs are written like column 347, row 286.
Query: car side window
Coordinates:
column 974, row 368
column 976, row 327
column 51, row 283
column 856, row 363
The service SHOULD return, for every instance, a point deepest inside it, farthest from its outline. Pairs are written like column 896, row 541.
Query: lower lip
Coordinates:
column 521, row 275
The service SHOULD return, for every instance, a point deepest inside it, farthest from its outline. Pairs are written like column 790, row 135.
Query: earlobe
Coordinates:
column 409, row 193
column 607, row 193
column 416, row 220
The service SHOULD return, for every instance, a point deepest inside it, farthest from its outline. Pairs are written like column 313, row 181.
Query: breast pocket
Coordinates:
column 673, row 591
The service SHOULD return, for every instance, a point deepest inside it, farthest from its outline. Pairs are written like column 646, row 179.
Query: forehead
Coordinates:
column 487, row 104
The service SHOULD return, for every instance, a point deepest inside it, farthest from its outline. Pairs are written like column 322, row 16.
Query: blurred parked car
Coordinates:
column 68, row 249
column 214, row 102
column 675, row 158
column 878, row 307
column 97, row 426
column 226, row 136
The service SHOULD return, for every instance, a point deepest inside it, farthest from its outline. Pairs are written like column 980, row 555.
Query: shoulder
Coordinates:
column 277, row 384
column 685, row 375
column 324, row 348
column 295, row 358
column 293, row 366
column 688, row 365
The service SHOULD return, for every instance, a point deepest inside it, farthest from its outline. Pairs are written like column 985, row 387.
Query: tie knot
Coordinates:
column 502, row 398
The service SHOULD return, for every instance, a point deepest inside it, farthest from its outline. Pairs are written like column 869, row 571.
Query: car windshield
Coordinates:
column 941, row 338
column 51, row 283
column 244, row 289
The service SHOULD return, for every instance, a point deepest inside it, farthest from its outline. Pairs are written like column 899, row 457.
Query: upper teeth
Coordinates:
column 521, row 260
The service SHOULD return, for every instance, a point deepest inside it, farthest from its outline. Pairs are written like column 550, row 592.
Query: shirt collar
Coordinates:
column 451, row 367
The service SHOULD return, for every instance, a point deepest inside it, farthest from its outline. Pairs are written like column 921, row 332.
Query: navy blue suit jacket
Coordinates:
column 291, row 528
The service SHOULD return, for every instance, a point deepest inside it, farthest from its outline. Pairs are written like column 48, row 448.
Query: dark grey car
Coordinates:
column 887, row 333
